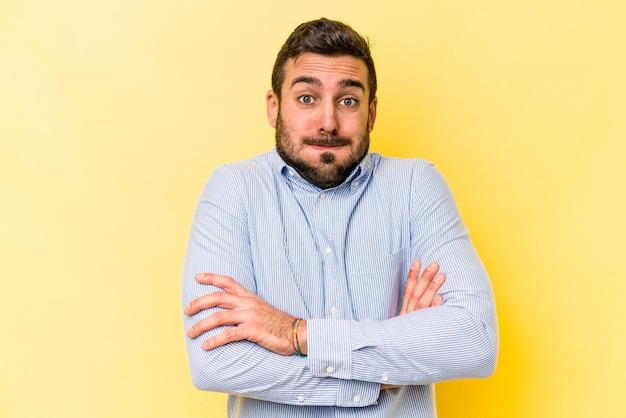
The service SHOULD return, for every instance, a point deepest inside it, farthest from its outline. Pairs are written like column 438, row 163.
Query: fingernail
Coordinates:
column 415, row 265
column 438, row 278
column 198, row 275
column 190, row 332
column 432, row 265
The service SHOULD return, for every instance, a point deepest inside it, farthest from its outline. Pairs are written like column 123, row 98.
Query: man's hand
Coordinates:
column 421, row 292
column 254, row 319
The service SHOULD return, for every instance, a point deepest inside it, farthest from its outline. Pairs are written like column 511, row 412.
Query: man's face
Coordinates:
column 323, row 118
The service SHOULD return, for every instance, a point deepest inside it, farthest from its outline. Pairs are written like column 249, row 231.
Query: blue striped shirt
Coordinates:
column 339, row 258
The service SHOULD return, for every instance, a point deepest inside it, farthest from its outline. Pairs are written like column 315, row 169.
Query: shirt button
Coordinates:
column 334, row 311
column 291, row 173
column 329, row 369
column 300, row 398
column 322, row 195
column 328, row 250
column 356, row 399
column 355, row 183
column 385, row 378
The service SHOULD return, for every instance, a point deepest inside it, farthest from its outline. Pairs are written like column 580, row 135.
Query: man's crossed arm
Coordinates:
column 253, row 319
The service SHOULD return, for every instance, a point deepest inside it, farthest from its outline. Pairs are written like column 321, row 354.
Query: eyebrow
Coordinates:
column 352, row 83
column 348, row 82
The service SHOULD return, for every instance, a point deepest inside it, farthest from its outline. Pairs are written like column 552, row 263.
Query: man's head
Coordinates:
column 323, row 101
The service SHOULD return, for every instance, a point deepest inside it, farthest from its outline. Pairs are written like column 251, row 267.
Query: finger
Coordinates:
column 438, row 300
column 218, row 319
column 227, row 336
column 226, row 283
column 415, row 299
column 217, row 299
column 430, row 293
column 411, row 281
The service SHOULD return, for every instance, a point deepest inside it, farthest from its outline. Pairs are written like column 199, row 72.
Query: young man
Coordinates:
column 302, row 290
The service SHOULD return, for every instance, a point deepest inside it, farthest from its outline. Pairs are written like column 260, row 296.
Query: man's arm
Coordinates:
column 456, row 340
column 251, row 318
column 219, row 243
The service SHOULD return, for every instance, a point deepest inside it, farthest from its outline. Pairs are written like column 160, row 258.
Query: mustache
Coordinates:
column 326, row 141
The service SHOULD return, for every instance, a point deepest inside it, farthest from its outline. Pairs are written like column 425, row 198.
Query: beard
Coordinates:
column 327, row 172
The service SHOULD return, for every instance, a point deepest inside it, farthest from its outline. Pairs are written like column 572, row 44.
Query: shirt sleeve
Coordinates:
column 453, row 341
column 219, row 243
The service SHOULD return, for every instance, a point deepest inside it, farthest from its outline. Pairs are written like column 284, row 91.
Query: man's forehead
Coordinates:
column 334, row 69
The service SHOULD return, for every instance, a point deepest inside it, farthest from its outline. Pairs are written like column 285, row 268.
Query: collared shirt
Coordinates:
column 339, row 258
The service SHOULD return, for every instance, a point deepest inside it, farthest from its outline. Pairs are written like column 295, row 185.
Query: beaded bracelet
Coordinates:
column 294, row 337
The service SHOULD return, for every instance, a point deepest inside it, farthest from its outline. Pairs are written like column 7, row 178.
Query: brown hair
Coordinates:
column 324, row 37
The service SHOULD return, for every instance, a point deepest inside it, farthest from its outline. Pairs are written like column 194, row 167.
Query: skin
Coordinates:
column 323, row 121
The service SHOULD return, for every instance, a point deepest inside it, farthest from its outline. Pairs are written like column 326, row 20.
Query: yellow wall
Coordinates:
column 113, row 113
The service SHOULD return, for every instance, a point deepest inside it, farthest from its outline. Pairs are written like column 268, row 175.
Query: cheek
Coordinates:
column 355, row 126
column 300, row 126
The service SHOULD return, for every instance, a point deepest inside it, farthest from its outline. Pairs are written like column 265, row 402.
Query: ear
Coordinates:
column 271, row 102
column 372, row 113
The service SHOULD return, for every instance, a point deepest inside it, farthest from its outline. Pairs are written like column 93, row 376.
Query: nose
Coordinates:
column 328, row 123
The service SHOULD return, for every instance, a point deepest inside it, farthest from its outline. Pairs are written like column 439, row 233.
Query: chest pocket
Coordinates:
column 376, row 284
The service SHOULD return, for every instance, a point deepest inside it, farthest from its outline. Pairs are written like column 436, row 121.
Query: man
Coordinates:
column 302, row 290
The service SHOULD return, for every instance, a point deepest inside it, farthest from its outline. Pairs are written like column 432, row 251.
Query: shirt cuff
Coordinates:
column 329, row 355
column 329, row 348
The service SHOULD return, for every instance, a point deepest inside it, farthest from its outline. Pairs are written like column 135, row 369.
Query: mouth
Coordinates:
column 326, row 143
column 325, row 147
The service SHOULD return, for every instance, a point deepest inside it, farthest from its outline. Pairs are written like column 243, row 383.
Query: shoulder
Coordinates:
column 412, row 170
column 420, row 178
column 396, row 163
column 239, row 178
column 254, row 166
column 239, row 172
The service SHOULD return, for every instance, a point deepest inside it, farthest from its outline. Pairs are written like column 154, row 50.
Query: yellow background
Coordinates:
column 113, row 113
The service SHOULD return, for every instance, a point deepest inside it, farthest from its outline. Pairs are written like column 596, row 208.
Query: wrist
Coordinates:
column 302, row 337
column 298, row 337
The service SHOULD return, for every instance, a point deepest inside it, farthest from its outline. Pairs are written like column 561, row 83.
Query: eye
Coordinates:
column 348, row 102
column 305, row 99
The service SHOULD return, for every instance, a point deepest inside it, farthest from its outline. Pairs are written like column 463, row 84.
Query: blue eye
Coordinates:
column 348, row 102
column 305, row 99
